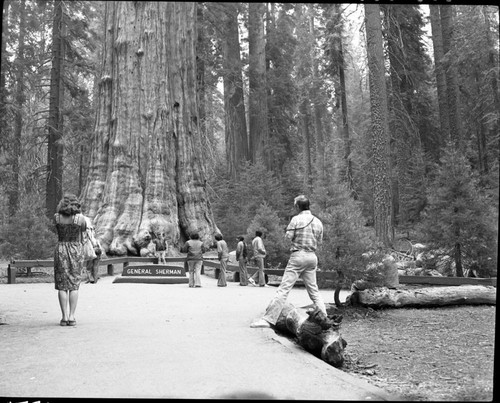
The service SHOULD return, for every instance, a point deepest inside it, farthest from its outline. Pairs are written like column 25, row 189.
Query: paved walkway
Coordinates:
column 160, row 341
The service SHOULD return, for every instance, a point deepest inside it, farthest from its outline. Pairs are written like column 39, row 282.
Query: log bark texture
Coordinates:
column 383, row 297
column 315, row 332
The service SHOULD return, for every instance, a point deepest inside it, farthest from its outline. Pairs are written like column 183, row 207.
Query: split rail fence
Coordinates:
column 126, row 260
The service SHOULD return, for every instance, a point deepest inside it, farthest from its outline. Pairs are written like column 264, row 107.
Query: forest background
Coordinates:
column 385, row 115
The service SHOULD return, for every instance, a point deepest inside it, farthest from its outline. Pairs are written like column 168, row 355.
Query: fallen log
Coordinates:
column 316, row 332
column 382, row 297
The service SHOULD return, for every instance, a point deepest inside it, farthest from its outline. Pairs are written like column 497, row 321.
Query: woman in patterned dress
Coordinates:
column 68, row 256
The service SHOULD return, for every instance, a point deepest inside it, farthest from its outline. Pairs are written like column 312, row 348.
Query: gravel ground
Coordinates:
column 424, row 354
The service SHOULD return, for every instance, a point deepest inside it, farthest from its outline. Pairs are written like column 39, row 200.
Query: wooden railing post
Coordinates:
column 11, row 274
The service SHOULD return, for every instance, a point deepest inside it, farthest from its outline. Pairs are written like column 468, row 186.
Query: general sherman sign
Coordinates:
column 153, row 270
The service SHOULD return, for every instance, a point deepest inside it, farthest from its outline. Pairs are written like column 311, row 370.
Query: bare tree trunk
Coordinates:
column 305, row 122
column 335, row 29
column 437, row 44
column 147, row 170
column 317, row 102
column 259, row 132
column 380, row 127
column 234, row 105
column 20, row 98
column 55, row 147
column 6, row 143
column 446, row 13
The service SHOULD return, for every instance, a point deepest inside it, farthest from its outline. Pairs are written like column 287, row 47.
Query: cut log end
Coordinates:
column 316, row 332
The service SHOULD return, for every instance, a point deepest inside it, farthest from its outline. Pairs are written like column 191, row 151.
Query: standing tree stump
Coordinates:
column 316, row 332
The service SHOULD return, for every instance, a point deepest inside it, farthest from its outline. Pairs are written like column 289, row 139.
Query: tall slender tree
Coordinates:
column 334, row 51
column 55, row 121
column 20, row 98
column 437, row 45
column 258, row 124
column 379, row 130
column 147, row 169
column 234, row 106
column 446, row 12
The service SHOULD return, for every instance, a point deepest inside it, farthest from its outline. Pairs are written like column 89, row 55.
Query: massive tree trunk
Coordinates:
column 383, row 297
column 437, row 45
column 380, row 127
column 147, row 171
column 55, row 123
column 234, row 105
column 315, row 332
column 258, row 125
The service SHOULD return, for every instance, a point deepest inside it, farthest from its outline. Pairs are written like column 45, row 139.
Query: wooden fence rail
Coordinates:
column 126, row 260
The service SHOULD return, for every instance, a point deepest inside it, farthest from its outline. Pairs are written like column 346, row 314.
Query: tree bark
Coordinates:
column 258, row 125
column 383, row 297
column 315, row 332
column 317, row 101
column 437, row 44
column 451, row 74
column 234, row 106
column 55, row 147
column 20, row 98
column 380, row 128
column 147, row 170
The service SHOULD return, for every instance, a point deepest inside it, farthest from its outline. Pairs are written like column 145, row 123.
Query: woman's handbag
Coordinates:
column 88, row 250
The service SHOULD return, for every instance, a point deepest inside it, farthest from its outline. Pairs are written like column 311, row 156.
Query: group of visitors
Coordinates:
column 194, row 249
column 76, row 233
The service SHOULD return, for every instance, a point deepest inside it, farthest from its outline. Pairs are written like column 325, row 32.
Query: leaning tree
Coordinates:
column 146, row 170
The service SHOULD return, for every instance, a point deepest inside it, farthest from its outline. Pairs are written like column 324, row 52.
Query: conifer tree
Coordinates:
column 459, row 217
column 345, row 236
column 267, row 221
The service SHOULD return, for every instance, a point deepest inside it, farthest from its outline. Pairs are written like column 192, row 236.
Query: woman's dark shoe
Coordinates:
column 71, row 322
column 63, row 322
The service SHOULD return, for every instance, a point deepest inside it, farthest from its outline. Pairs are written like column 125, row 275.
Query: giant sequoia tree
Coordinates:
column 146, row 170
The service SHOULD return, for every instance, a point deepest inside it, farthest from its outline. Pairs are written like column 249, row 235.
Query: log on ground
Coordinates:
column 383, row 297
column 316, row 332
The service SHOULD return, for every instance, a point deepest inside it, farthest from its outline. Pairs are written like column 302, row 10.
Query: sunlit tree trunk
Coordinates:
column 258, row 125
column 55, row 146
column 437, row 44
column 379, row 128
column 235, row 116
column 147, row 169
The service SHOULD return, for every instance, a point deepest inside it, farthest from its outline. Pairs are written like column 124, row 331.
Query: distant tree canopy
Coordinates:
column 214, row 116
